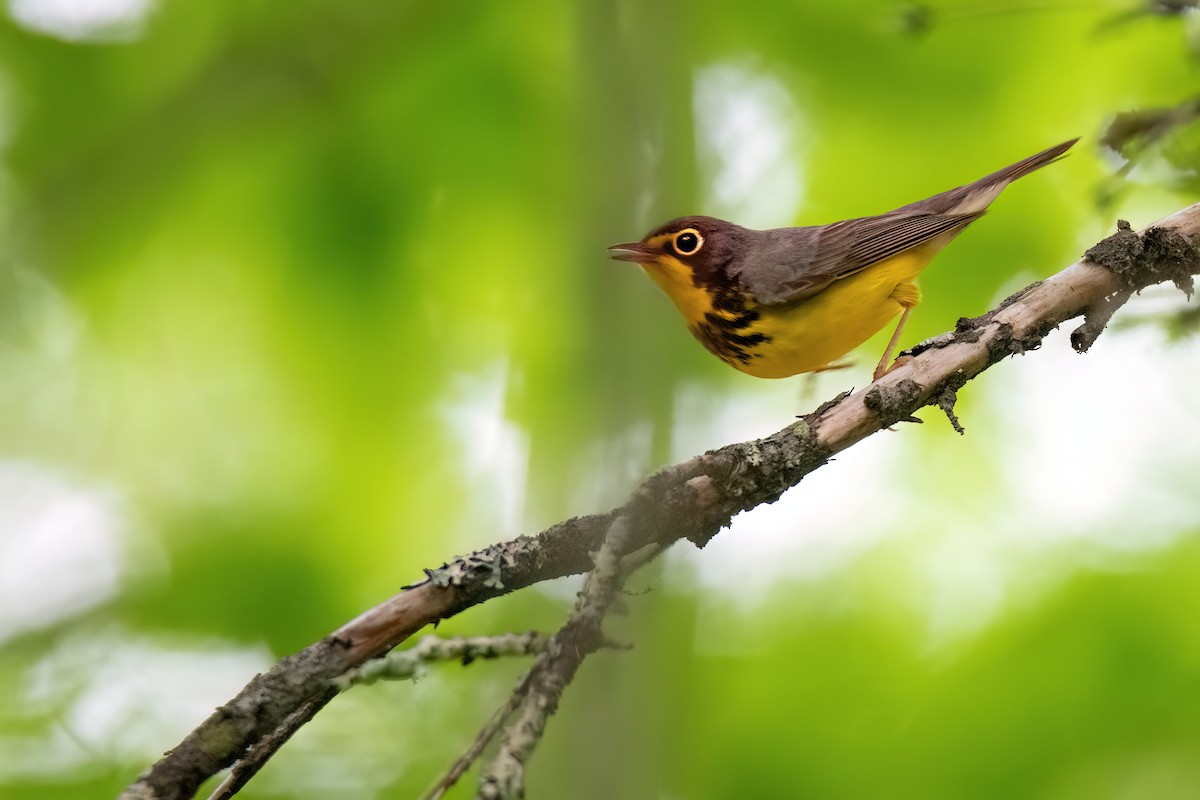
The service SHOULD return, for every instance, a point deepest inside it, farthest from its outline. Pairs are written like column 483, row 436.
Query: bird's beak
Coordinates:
column 636, row 252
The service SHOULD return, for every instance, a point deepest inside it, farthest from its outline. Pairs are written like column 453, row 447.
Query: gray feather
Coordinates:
column 785, row 265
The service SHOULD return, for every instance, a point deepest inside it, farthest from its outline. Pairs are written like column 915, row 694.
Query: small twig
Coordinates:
column 947, row 399
column 485, row 736
column 1131, row 133
column 494, row 725
column 265, row 748
column 1163, row 253
column 409, row 663
column 1096, row 320
column 581, row 636
column 527, row 683
column 921, row 18
column 1178, row 323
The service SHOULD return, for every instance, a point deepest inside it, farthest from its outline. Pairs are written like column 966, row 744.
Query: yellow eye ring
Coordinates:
column 687, row 242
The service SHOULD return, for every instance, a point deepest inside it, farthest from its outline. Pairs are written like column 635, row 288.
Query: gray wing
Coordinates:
column 790, row 264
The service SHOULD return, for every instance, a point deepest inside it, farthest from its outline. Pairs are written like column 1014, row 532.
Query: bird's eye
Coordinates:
column 688, row 242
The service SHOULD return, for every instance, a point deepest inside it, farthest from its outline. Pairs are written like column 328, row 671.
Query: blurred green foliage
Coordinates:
column 298, row 298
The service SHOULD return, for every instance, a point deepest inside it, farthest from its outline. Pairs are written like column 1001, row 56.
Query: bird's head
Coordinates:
column 688, row 250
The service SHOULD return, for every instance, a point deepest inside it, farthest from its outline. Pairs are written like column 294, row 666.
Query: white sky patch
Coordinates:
column 624, row 457
column 1098, row 441
column 83, row 20
column 112, row 697
column 1095, row 457
column 816, row 529
column 495, row 451
column 60, row 548
column 747, row 127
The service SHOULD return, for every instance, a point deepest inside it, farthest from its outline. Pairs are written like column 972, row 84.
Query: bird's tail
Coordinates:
column 978, row 195
column 1026, row 165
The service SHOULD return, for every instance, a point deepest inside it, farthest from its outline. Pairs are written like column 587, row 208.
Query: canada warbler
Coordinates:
column 780, row 302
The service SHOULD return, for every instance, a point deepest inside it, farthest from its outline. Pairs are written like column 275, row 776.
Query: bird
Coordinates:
column 781, row 302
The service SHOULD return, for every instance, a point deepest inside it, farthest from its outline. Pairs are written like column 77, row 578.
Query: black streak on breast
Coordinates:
column 722, row 330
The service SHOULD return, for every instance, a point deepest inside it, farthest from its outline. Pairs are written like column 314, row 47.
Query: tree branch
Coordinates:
column 691, row 500
column 410, row 663
column 582, row 635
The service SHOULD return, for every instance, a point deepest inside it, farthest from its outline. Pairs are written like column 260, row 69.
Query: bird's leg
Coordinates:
column 907, row 295
column 882, row 368
column 834, row 366
column 810, row 378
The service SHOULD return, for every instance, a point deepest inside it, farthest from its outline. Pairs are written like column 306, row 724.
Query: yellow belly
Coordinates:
column 818, row 331
column 815, row 332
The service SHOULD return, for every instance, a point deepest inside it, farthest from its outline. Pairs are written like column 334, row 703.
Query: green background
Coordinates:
column 298, row 298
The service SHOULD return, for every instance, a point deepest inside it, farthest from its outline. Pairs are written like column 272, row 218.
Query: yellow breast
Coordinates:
column 790, row 339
